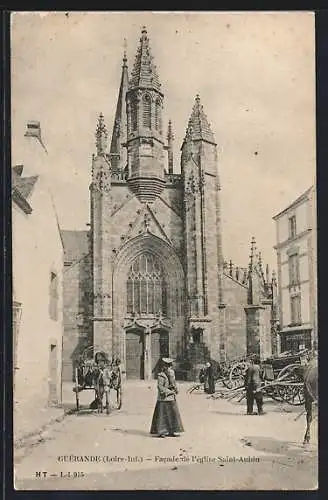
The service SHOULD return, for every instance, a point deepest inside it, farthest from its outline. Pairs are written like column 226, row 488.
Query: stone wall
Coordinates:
column 235, row 297
column 77, row 310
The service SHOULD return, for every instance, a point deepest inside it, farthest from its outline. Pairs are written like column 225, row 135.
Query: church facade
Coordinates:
column 149, row 279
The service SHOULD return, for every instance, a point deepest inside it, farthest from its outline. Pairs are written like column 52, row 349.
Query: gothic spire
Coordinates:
column 198, row 124
column 119, row 135
column 144, row 72
column 260, row 264
column 101, row 135
column 170, row 139
column 252, row 255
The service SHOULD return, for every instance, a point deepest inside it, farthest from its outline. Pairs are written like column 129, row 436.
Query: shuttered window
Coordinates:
column 295, row 309
column 294, row 273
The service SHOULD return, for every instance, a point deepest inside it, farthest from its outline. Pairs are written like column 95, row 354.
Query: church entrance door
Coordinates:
column 135, row 354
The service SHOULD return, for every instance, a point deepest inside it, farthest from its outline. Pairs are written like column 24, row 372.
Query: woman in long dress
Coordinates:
column 166, row 418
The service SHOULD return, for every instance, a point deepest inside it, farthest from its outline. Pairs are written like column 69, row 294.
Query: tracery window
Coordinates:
column 158, row 121
column 146, row 111
column 146, row 286
column 134, row 115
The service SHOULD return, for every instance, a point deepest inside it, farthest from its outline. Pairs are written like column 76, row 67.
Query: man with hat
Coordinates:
column 253, row 382
column 166, row 419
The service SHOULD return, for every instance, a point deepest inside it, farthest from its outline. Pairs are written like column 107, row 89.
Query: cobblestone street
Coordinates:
column 221, row 448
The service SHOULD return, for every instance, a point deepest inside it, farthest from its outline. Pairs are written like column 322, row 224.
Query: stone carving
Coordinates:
column 102, row 180
column 195, row 183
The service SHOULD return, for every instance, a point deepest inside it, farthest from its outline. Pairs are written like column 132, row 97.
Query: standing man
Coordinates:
column 209, row 385
column 252, row 385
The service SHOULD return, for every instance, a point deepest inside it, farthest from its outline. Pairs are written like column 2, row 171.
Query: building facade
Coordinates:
column 297, row 273
column 158, row 284
column 37, row 253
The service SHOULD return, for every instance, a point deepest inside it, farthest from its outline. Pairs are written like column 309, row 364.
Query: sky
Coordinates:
column 254, row 72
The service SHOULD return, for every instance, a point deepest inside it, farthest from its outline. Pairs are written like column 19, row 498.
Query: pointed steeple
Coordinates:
column 101, row 135
column 252, row 255
column 198, row 124
column 119, row 136
column 170, row 139
column 144, row 73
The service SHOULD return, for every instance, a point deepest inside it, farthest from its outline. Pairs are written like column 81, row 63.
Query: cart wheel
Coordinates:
column 236, row 376
column 119, row 397
column 292, row 394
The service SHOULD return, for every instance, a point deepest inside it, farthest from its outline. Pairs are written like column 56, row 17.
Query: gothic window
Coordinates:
column 146, row 111
column 158, row 121
column 134, row 115
column 146, row 286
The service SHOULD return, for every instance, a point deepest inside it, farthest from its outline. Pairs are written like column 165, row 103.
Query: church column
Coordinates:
column 147, row 354
column 102, row 273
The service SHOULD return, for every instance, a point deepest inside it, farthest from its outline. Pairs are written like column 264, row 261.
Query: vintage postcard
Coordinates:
column 164, row 250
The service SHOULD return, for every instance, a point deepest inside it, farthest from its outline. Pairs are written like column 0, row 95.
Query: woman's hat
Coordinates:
column 167, row 361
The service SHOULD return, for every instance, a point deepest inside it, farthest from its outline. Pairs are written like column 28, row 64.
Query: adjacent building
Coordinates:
column 297, row 272
column 37, row 253
column 148, row 278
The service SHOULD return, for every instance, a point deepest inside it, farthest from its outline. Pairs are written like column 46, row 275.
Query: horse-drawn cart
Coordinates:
column 95, row 372
column 283, row 377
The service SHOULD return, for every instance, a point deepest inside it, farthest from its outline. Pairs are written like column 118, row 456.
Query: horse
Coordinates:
column 107, row 377
column 310, row 394
column 102, row 383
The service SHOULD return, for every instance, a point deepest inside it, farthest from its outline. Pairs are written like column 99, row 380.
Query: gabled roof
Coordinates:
column 22, row 188
column 298, row 200
column 198, row 124
column 26, row 184
column 75, row 243
column 144, row 72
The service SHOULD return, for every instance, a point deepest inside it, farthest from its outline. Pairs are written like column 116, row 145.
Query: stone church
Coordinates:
column 149, row 279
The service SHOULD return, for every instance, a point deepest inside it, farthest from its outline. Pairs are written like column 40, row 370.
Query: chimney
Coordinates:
column 33, row 129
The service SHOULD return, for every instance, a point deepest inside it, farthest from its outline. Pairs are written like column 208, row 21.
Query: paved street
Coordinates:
column 221, row 448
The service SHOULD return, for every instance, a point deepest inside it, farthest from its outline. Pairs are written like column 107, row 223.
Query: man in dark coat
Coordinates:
column 209, row 386
column 253, row 383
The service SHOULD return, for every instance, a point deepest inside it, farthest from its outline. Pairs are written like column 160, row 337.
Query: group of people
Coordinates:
column 166, row 419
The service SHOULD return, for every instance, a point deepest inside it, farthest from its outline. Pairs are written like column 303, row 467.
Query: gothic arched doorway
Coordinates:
column 148, row 304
